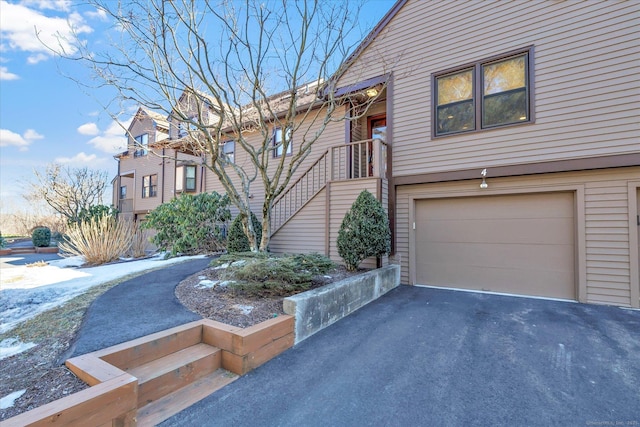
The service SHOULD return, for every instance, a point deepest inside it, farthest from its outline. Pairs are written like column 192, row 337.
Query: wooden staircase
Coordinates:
column 174, row 382
column 23, row 250
column 176, row 368
column 362, row 159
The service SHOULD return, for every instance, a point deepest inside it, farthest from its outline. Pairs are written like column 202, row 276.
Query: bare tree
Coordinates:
column 213, row 66
column 68, row 190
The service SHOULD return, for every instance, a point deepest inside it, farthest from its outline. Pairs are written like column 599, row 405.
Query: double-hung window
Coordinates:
column 484, row 95
column 281, row 138
column 149, row 186
column 123, row 191
column 142, row 145
column 186, row 178
column 229, row 151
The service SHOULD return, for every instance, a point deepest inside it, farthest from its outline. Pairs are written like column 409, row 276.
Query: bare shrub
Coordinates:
column 99, row 240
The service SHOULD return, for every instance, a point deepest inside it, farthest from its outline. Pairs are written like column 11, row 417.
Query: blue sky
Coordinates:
column 47, row 117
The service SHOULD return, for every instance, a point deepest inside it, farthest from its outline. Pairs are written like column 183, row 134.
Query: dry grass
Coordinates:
column 100, row 240
column 139, row 241
column 40, row 263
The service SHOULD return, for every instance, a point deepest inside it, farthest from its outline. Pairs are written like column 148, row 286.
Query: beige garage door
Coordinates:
column 520, row 244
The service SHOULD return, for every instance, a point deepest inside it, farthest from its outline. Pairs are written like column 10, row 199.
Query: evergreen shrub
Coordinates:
column 364, row 231
column 237, row 241
column 189, row 224
column 41, row 237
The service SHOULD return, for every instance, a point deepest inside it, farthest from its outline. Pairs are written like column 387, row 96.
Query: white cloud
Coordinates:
column 5, row 74
column 38, row 57
column 113, row 139
column 80, row 160
column 88, row 129
column 9, row 138
column 97, row 14
column 31, row 135
column 61, row 5
column 19, row 25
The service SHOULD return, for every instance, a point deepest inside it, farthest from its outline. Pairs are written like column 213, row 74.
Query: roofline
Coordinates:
column 372, row 35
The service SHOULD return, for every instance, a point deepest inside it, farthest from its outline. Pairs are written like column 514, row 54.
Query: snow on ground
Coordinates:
column 11, row 346
column 8, row 400
column 28, row 291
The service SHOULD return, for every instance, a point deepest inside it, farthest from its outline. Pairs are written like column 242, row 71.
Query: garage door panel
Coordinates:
column 522, row 244
column 544, row 205
column 513, row 281
column 530, row 231
column 555, row 257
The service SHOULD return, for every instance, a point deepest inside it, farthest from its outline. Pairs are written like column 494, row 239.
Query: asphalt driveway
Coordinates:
column 431, row 357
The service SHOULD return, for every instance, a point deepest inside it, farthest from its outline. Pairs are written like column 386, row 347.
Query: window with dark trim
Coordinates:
column 190, row 178
column 149, row 186
column 229, row 151
column 186, row 178
column 123, row 191
column 279, row 141
column 487, row 94
column 142, row 142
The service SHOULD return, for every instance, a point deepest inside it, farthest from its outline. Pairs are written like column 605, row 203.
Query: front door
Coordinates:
column 377, row 129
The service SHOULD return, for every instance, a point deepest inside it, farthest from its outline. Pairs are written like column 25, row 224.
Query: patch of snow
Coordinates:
column 202, row 277
column 210, row 284
column 222, row 266
column 11, row 346
column 10, row 399
column 207, row 284
column 28, row 291
column 245, row 309
column 72, row 261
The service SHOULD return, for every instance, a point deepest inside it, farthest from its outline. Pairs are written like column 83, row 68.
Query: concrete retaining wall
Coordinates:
column 316, row 309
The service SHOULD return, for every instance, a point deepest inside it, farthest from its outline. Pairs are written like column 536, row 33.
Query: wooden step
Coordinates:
column 164, row 408
column 165, row 375
column 23, row 250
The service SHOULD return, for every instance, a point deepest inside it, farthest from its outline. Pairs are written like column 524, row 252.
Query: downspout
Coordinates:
column 175, row 171
column 202, row 180
column 117, row 195
column 163, row 177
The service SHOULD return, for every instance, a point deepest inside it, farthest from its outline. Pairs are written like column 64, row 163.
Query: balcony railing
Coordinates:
column 361, row 159
column 125, row 205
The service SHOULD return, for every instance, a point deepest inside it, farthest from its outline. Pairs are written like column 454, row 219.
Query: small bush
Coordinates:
column 3, row 242
column 100, row 240
column 364, row 231
column 189, row 224
column 265, row 275
column 237, row 241
column 41, row 237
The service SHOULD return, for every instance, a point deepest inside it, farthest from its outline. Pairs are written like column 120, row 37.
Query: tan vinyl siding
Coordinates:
column 585, row 79
column 607, row 226
column 334, row 134
column 603, row 264
column 307, row 233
